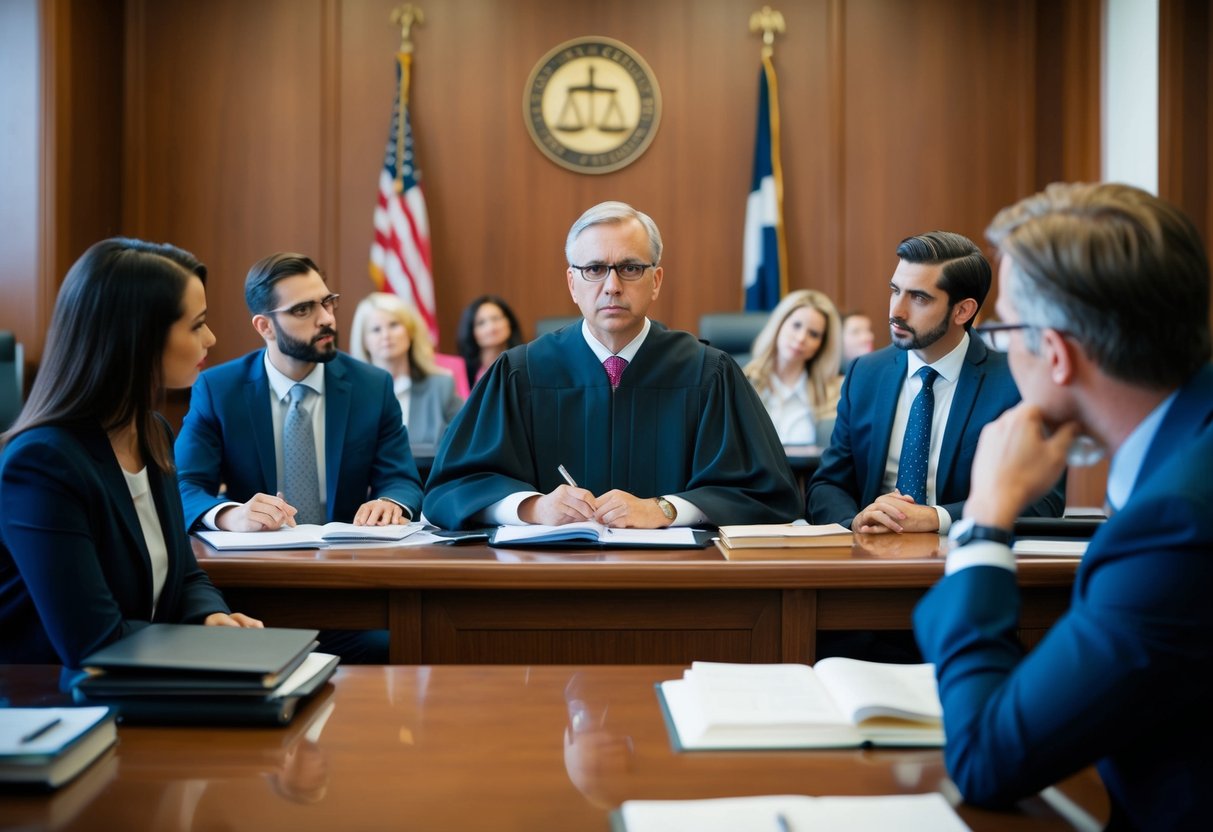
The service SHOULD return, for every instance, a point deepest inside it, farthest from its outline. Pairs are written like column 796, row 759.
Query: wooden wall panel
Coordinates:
column 224, row 147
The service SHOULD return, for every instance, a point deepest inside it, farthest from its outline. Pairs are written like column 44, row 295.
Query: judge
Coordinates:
column 655, row 428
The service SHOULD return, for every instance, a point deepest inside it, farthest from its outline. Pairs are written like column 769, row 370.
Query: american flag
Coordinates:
column 400, row 254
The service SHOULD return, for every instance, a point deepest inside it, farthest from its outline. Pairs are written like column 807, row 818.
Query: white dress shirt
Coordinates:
column 149, row 523
column 790, row 410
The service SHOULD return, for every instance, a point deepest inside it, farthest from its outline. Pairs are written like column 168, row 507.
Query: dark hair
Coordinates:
column 465, row 336
column 965, row 273
column 1117, row 269
column 259, row 292
column 102, row 363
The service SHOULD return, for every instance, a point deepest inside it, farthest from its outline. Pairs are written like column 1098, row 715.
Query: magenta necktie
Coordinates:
column 615, row 366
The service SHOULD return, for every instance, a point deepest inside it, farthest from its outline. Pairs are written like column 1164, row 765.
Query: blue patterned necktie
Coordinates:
column 300, row 477
column 916, row 446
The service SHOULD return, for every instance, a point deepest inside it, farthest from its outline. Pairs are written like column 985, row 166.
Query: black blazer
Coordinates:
column 75, row 573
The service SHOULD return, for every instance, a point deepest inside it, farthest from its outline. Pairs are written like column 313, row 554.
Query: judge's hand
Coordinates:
column 379, row 513
column 236, row 619
column 624, row 511
column 260, row 513
column 896, row 512
column 1019, row 458
column 565, row 504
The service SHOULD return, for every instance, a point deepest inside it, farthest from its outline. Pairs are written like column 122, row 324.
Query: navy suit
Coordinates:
column 852, row 467
column 1123, row 678
column 228, row 439
column 75, row 573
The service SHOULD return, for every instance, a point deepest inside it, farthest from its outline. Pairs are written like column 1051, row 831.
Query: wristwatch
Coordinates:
column 667, row 508
column 966, row 531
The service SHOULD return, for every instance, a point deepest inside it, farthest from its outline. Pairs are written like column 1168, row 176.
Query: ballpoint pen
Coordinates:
column 567, row 476
column 38, row 732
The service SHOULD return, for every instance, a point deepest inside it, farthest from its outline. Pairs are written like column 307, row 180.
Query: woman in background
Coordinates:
column 487, row 328
column 857, row 338
column 795, row 367
column 93, row 544
column 391, row 335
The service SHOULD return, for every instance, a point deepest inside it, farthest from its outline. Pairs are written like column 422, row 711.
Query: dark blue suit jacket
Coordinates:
column 1123, row 678
column 852, row 467
column 75, row 573
column 228, row 439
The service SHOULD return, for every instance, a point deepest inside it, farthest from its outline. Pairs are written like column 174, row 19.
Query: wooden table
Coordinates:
column 478, row 605
column 455, row 748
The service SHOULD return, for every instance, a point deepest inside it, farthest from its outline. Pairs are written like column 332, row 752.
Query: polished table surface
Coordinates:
column 479, row 605
column 456, row 748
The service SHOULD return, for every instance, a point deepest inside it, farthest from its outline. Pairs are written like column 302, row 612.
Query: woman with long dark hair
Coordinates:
column 487, row 328
column 93, row 544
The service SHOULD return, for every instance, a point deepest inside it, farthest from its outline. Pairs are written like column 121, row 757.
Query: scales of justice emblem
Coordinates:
column 592, row 105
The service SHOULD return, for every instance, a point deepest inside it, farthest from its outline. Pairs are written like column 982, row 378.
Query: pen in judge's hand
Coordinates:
column 567, row 476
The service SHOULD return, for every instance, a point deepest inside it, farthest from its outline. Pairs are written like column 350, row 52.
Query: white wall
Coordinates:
column 1130, row 93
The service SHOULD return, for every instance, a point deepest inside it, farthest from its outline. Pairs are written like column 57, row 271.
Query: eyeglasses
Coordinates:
column 999, row 326
column 597, row 272
column 307, row 308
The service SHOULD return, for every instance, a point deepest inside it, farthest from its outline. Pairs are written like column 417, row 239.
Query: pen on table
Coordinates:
column 564, row 472
column 781, row 821
column 38, row 732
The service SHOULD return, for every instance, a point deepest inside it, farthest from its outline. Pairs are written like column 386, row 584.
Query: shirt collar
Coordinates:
column 948, row 367
column 627, row 353
column 1127, row 461
column 281, row 385
column 799, row 389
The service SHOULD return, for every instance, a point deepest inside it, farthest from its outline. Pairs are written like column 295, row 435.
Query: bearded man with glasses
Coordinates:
column 298, row 432
column 617, row 418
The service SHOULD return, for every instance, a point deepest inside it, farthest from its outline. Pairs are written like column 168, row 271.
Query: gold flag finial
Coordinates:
column 405, row 16
column 770, row 23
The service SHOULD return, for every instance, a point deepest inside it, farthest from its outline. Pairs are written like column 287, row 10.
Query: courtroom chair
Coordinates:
column 11, row 371
column 458, row 368
column 545, row 325
column 733, row 332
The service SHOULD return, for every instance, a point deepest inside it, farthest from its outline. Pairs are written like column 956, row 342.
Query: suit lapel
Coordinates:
column 972, row 373
column 337, row 399
column 257, row 405
column 888, row 389
column 119, row 496
column 1188, row 415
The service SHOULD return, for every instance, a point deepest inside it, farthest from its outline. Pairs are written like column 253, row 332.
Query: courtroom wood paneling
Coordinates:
column 1185, row 124
column 599, row 628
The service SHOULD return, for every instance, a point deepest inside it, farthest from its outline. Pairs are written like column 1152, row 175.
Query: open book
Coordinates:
column 308, row 536
column 925, row 812
column 840, row 703
column 595, row 534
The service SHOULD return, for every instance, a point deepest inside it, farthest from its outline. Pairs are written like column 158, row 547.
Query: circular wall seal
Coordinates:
column 592, row 105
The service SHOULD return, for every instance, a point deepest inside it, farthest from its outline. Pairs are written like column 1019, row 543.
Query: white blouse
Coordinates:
column 791, row 411
column 153, row 534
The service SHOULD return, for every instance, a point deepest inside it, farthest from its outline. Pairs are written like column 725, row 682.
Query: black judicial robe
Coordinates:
column 684, row 421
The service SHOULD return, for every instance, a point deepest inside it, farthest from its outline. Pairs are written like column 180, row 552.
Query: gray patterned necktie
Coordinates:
column 300, row 476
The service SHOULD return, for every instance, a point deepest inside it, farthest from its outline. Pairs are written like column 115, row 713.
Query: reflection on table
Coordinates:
column 455, row 748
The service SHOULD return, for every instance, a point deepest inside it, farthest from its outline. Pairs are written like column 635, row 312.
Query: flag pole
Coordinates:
column 405, row 16
column 771, row 23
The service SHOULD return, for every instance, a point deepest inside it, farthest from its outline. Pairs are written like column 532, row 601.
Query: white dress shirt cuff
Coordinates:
column 945, row 519
column 688, row 513
column 505, row 512
column 208, row 519
column 980, row 553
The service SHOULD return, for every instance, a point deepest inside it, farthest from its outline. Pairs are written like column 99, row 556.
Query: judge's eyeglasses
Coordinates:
column 597, row 272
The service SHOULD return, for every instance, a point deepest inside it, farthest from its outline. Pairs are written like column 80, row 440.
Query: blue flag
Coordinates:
column 764, row 255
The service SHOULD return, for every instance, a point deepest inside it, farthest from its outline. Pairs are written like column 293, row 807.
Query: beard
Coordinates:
column 918, row 340
column 306, row 350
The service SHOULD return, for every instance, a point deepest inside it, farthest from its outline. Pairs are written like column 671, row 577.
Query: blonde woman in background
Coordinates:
column 795, row 367
column 391, row 335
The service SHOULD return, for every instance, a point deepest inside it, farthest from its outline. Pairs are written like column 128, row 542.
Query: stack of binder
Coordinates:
column 189, row 674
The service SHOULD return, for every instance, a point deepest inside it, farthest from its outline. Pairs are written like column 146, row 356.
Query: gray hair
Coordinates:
column 610, row 213
column 1120, row 271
